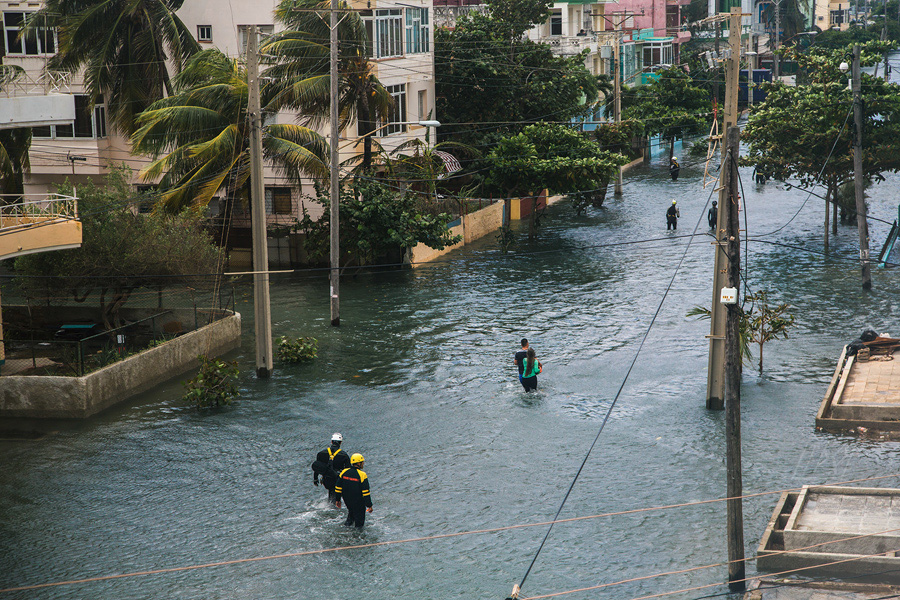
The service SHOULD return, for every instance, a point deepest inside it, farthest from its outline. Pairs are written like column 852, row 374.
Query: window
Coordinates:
column 416, row 30
column 278, row 201
column 244, row 30
column 204, row 33
column 556, row 24
column 423, row 104
column 388, row 30
column 397, row 121
column 88, row 123
column 41, row 42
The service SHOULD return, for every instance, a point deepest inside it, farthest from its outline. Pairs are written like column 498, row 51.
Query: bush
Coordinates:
column 214, row 385
column 298, row 350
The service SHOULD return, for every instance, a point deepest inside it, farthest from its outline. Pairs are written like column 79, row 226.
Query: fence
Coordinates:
column 47, row 338
column 27, row 212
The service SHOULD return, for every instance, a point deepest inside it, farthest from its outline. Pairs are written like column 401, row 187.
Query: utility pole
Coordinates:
column 262, row 315
column 617, row 105
column 715, row 374
column 861, row 223
column 335, row 253
column 776, row 62
column 728, row 212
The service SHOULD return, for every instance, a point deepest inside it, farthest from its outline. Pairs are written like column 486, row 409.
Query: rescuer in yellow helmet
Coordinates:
column 353, row 487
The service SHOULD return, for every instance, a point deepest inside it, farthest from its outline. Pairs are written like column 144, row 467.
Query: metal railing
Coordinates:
column 50, row 207
column 16, row 81
column 76, row 357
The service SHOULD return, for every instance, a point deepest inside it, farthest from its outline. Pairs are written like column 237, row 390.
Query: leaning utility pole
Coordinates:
column 861, row 223
column 262, row 315
column 728, row 212
column 715, row 374
column 335, row 253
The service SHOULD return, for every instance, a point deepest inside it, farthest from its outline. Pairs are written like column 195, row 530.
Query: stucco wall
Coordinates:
column 80, row 397
column 472, row 226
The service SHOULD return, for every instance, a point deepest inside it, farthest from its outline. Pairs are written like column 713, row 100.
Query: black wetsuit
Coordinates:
column 713, row 216
column 353, row 488
column 672, row 218
column 674, row 170
column 333, row 461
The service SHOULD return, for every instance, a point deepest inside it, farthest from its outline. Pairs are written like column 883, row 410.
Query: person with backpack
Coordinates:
column 329, row 462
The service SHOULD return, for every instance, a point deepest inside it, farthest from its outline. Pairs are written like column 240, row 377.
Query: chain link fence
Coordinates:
column 53, row 335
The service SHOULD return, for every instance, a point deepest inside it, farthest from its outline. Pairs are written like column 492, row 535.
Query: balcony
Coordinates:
column 571, row 44
column 39, row 225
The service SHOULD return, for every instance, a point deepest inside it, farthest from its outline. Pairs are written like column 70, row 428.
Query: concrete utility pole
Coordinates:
column 728, row 212
column 617, row 92
column 335, row 253
column 776, row 62
column 262, row 315
column 861, row 223
column 715, row 374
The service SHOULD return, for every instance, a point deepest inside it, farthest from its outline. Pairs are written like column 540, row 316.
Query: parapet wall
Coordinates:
column 79, row 397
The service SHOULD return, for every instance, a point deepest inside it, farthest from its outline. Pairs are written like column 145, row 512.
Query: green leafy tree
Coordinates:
column 515, row 17
column 670, row 106
column 481, row 77
column 300, row 75
column 297, row 350
column 121, row 251
column 550, row 156
column 14, row 163
column 376, row 219
column 806, row 131
column 199, row 137
column 123, row 46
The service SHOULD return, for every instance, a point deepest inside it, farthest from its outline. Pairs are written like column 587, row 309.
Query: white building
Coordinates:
column 402, row 38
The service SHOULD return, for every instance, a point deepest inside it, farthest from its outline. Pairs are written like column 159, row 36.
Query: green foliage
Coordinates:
column 121, row 250
column 549, row 156
column 376, row 219
column 200, row 136
column 297, row 350
column 483, row 76
column 802, row 131
column 14, row 163
column 760, row 324
column 514, row 17
column 214, row 385
column 670, row 106
column 124, row 46
column 766, row 323
column 616, row 137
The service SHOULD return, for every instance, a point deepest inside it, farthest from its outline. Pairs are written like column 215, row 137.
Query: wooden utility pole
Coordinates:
column 715, row 374
column 335, row 252
column 776, row 62
column 861, row 222
column 729, row 213
column 617, row 91
column 262, row 315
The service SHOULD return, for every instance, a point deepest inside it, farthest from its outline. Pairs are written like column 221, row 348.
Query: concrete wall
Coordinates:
column 80, row 397
column 472, row 226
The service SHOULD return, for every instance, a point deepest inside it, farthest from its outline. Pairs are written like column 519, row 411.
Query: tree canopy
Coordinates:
column 484, row 77
column 669, row 106
column 121, row 250
column 549, row 156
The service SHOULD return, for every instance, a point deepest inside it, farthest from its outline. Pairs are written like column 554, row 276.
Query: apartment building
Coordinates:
column 402, row 39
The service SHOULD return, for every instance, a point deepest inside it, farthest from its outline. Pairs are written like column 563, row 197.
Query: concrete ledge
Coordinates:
column 80, row 397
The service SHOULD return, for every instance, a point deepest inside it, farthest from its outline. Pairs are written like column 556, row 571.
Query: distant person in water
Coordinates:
column 530, row 371
column 674, row 168
column 520, row 358
column 672, row 216
column 713, row 215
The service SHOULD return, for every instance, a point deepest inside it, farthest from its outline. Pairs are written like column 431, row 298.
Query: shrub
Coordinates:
column 298, row 350
column 214, row 385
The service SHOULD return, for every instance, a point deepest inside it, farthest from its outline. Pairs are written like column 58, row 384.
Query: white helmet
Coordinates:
column 336, row 437
column 675, row 158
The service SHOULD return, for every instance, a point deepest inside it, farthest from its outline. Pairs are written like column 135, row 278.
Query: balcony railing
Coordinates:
column 50, row 207
column 16, row 81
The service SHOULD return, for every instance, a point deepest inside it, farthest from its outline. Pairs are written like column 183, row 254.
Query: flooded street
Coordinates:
column 419, row 378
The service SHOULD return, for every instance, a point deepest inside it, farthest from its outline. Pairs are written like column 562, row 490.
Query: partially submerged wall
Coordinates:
column 80, row 397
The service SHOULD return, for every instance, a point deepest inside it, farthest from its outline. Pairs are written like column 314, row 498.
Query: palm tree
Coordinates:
column 199, row 137
column 122, row 45
column 14, row 145
column 301, row 70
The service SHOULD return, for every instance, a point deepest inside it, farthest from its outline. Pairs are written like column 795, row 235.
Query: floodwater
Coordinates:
column 419, row 378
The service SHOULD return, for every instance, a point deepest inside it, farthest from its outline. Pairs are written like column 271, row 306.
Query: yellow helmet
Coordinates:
column 357, row 459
